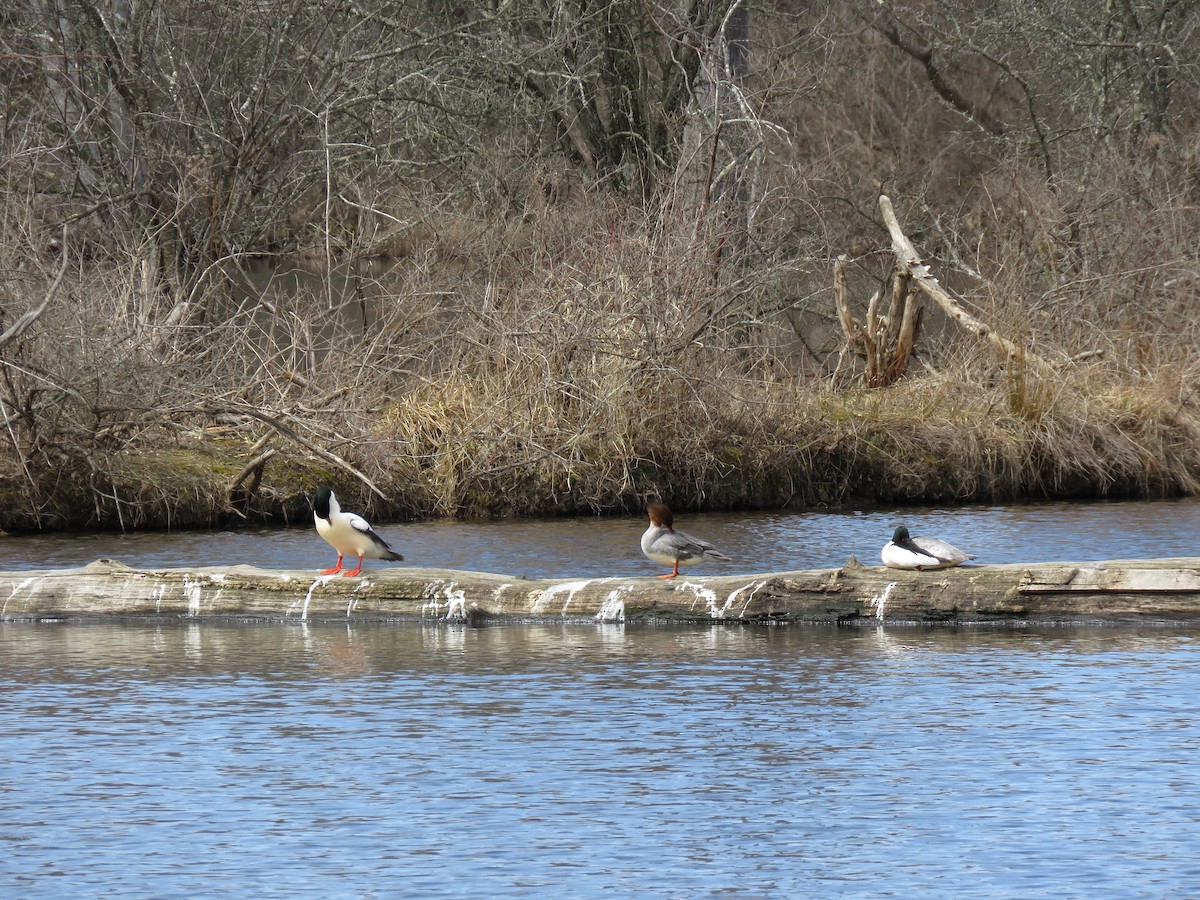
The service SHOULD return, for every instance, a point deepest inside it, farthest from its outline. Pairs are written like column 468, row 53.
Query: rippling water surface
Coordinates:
column 209, row 760
column 201, row 760
column 756, row 541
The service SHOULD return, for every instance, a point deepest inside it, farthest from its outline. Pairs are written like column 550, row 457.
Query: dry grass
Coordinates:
column 772, row 444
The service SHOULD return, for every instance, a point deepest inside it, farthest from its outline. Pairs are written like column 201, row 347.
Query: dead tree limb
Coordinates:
column 294, row 436
column 885, row 340
column 908, row 259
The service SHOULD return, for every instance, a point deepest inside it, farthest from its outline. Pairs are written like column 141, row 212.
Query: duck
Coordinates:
column 663, row 544
column 348, row 533
column 906, row 552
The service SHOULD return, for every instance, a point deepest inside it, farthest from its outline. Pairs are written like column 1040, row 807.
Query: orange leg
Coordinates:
column 335, row 569
column 672, row 574
column 356, row 571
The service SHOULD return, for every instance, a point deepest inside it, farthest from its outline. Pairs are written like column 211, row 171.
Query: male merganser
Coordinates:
column 662, row 544
column 904, row 552
column 348, row 533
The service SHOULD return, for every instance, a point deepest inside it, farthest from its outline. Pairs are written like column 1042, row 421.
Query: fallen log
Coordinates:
column 1162, row 590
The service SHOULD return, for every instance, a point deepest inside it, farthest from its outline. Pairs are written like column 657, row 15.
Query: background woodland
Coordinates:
column 547, row 257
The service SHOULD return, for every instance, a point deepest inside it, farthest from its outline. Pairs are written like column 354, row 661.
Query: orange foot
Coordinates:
column 335, row 569
column 356, row 571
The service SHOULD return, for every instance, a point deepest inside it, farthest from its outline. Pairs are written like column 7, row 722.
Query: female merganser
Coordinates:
column 904, row 552
column 349, row 534
column 662, row 544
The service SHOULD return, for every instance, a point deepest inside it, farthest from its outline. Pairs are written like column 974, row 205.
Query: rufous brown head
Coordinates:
column 659, row 514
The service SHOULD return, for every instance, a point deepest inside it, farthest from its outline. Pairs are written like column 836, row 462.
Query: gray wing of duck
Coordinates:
column 947, row 553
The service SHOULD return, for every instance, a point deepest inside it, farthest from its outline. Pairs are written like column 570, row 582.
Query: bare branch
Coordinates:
column 18, row 327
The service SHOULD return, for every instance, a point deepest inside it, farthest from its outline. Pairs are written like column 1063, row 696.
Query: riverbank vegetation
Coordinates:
column 537, row 258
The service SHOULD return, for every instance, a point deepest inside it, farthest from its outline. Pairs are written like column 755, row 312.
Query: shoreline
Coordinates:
column 191, row 489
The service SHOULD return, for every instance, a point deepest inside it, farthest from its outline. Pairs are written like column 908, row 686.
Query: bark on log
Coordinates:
column 1166, row 590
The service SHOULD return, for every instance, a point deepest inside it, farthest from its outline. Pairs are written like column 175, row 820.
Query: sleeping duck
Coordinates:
column 905, row 552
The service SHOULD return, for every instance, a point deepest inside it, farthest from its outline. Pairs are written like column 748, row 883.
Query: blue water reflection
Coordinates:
column 418, row 761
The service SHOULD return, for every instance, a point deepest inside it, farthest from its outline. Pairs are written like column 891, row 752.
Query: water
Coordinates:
column 593, row 547
column 606, row 761
column 292, row 760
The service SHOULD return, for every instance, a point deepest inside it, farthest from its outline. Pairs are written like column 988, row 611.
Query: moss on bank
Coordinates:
column 925, row 440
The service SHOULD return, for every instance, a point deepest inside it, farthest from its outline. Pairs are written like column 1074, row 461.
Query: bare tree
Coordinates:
column 615, row 83
column 1012, row 67
column 193, row 134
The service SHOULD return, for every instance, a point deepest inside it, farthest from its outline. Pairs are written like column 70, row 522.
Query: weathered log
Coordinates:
column 1164, row 590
